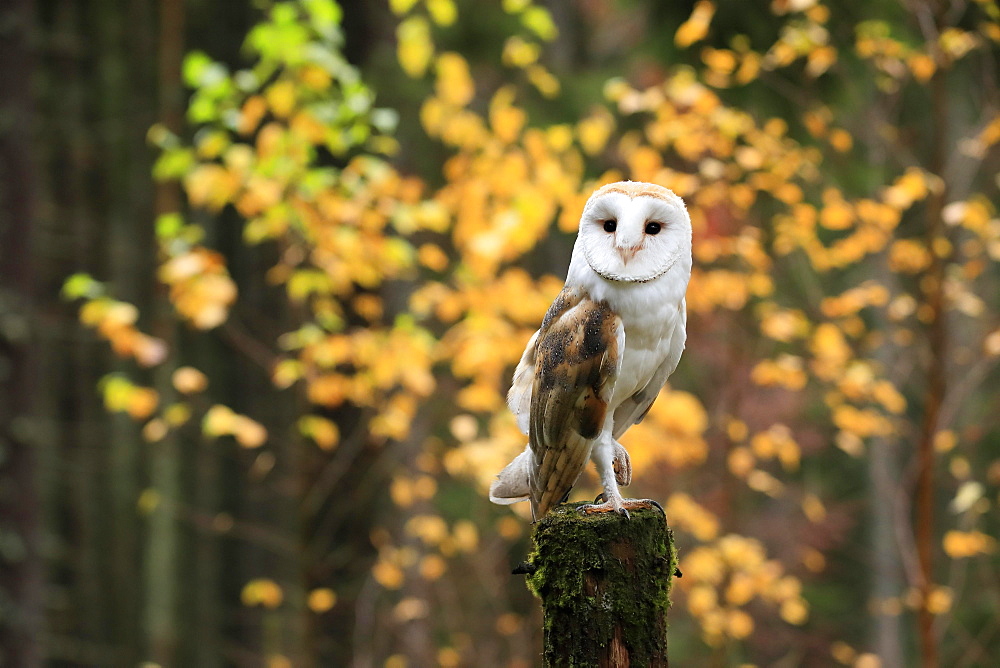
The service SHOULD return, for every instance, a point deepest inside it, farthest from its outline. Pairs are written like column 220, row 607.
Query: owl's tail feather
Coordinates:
column 512, row 485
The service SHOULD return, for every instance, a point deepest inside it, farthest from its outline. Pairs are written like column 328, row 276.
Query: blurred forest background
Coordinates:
column 267, row 267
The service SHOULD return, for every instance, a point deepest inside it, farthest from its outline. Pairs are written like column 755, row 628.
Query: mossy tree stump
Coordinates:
column 605, row 583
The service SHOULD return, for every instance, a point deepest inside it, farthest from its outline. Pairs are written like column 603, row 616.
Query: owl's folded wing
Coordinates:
column 577, row 360
column 519, row 396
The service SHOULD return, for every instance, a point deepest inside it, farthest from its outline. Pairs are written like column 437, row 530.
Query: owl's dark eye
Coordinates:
column 653, row 227
column 610, row 225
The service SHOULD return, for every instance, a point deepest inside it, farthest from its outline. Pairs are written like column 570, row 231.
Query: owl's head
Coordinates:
column 634, row 232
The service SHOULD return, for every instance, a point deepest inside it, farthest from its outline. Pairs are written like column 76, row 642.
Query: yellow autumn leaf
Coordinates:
column 695, row 28
column 507, row 121
column 219, row 420
column 813, row 508
column 787, row 371
column 939, row 600
column 149, row 500
column 321, row 600
column 387, row 574
column 414, row 48
column 785, row 325
column 430, row 529
column 315, row 77
column 539, row 21
column 841, row 140
column 922, row 66
column 594, row 130
column 740, row 589
column 836, row 215
column 518, row 52
column 820, row 59
column 248, row 432
column 739, row 624
column 443, row 12
column 432, row 567
column 701, row 600
column 721, row 61
column 177, row 414
column 263, row 592
column 515, row 6
column 142, row 402
column 322, row 431
column 867, row 660
column 188, row 380
column 466, row 536
column 396, row 661
column 281, row 97
column 432, row 257
column 454, row 84
column 964, row 544
column 911, row 186
column 210, row 185
column 695, row 518
column 794, row 611
column 543, row 80
column 908, row 256
column 400, row 7
column 956, row 43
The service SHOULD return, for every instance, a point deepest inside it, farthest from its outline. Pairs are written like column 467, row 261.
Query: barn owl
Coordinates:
column 604, row 349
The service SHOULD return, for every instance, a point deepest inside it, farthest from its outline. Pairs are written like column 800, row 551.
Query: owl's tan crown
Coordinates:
column 635, row 189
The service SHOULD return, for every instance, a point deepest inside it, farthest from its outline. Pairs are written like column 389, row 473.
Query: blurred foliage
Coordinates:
column 839, row 167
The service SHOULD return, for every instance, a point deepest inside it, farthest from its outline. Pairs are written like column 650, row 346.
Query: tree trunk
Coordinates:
column 605, row 583
column 164, row 585
column 20, row 563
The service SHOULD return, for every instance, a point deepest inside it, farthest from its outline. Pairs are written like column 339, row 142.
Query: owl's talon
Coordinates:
column 618, row 505
column 600, row 498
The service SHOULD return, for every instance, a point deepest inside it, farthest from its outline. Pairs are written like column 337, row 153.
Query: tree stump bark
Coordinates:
column 604, row 582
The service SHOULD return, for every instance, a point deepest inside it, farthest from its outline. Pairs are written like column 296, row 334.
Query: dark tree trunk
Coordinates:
column 605, row 583
column 20, row 563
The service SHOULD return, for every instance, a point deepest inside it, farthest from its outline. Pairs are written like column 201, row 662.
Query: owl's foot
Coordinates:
column 622, row 465
column 617, row 504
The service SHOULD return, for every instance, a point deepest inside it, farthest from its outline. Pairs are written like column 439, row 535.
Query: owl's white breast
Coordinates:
column 650, row 313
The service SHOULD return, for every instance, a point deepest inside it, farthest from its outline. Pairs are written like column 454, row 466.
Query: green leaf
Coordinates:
column 173, row 164
column 284, row 14
column 162, row 138
column 169, row 226
column 539, row 21
column 194, row 67
column 80, row 285
column 202, row 109
column 325, row 16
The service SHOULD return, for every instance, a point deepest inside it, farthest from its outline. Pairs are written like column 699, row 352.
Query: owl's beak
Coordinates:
column 627, row 253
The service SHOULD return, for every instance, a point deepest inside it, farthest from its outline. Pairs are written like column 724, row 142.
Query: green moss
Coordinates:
column 600, row 577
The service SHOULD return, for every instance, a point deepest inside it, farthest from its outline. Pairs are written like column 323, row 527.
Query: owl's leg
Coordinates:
column 622, row 465
column 605, row 454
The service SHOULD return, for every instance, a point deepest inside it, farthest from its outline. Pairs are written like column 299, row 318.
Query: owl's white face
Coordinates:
column 633, row 232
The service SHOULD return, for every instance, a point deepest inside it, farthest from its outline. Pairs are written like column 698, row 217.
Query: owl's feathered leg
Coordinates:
column 607, row 455
column 622, row 465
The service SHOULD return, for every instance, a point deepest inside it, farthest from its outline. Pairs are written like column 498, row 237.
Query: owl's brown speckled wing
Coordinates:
column 577, row 359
